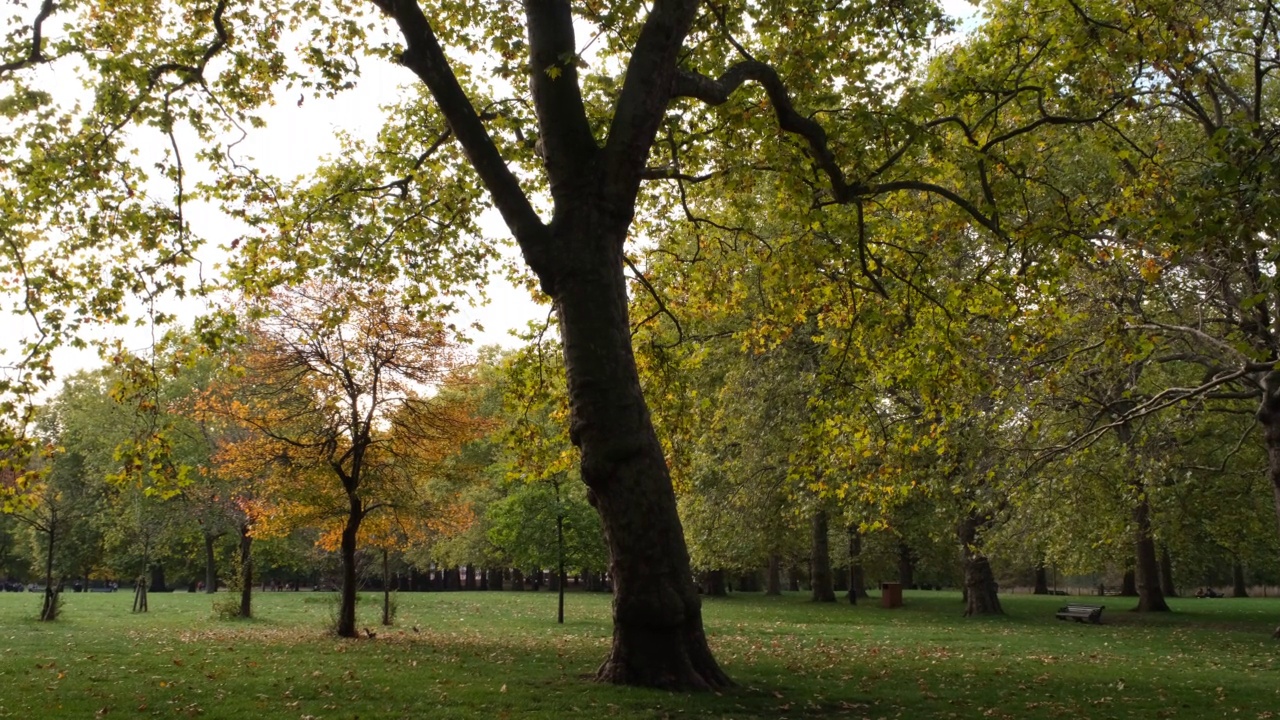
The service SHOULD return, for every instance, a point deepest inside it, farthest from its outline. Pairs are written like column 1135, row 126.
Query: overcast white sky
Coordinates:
column 293, row 141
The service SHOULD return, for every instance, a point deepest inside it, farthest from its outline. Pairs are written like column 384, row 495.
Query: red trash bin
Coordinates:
column 890, row 595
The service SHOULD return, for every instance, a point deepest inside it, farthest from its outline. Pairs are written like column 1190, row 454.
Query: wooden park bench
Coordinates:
column 1081, row 613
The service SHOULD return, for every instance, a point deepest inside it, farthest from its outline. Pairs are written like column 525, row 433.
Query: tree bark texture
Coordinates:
column 820, row 558
column 658, row 638
column 246, row 572
column 980, row 596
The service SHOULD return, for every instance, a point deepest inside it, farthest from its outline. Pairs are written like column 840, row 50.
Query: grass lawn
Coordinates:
column 501, row 655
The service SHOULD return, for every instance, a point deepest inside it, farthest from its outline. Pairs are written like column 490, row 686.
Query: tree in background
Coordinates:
column 338, row 383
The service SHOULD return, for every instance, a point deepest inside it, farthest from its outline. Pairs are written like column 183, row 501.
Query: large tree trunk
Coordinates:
column 820, row 559
column 1166, row 573
column 517, row 579
column 246, row 572
column 713, row 583
column 1042, row 580
column 658, row 638
column 1269, row 417
column 773, row 577
column 495, row 578
column 158, row 583
column 1147, row 567
column 980, row 590
column 346, row 624
column 857, row 578
column 906, row 565
column 1238, row 588
column 210, row 564
column 1129, row 584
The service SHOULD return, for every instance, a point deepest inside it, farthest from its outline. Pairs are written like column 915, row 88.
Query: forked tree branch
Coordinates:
column 568, row 144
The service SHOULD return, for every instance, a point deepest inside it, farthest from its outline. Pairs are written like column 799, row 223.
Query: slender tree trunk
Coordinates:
column 560, row 561
column 495, row 578
column 1238, row 588
column 246, row 572
column 773, row 579
column 140, row 594
column 386, row 586
column 49, row 607
column 793, row 578
column 981, row 597
column 210, row 564
column 1166, row 573
column 471, row 578
column 517, row 579
column 820, row 558
column 346, row 624
column 1147, row 566
column 658, row 638
column 140, row 587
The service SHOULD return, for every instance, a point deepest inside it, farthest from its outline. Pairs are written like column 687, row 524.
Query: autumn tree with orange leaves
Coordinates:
column 339, row 383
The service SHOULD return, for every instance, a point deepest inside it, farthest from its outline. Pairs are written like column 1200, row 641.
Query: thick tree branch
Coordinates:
column 717, row 91
column 643, row 101
column 927, row 187
column 424, row 56
column 568, row 145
